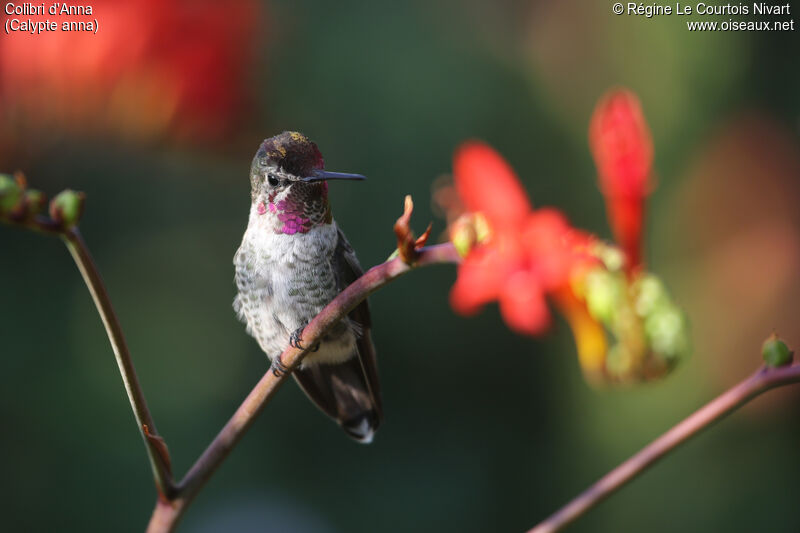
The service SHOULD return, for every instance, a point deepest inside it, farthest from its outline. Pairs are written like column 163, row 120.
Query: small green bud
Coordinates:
column 464, row 239
column 611, row 256
column 775, row 352
column 34, row 202
column 9, row 193
column 603, row 292
column 650, row 294
column 667, row 332
column 66, row 208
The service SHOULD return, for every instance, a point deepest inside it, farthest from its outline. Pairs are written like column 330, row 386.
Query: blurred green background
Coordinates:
column 157, row 117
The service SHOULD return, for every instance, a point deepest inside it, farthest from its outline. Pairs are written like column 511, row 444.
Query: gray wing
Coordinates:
column 346, row 262
column 349, row 392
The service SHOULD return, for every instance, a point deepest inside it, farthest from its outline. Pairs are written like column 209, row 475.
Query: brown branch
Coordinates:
column 156, row 449
column 758, row 383
column 56, row 225
column 166, row 514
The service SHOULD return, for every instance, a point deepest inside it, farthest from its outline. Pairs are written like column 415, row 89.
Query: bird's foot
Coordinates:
column 296, row 338
column 278, row 368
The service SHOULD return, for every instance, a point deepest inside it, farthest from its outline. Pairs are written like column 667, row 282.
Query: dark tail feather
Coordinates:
column 345, row 393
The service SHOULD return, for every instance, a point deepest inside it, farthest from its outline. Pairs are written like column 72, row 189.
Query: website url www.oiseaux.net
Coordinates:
column 740, row 25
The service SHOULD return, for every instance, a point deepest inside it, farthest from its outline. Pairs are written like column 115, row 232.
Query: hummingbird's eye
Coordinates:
column 273, row 180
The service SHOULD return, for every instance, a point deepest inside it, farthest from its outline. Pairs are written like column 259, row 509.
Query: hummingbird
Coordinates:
column 292, row 262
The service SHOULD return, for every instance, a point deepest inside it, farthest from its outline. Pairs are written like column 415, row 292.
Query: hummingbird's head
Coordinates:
column 289, row 185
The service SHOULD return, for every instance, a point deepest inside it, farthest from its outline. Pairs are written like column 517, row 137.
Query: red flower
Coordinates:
column 623, row 152
column 625, row 326
column 487, row 184
column 528, row 254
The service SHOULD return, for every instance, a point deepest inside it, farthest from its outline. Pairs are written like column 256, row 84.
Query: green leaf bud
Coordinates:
column 9, row 193
column 775, row 352
column 66, row 208
column 34, row 202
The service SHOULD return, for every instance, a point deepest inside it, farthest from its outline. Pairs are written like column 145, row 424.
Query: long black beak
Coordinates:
column 322, row 175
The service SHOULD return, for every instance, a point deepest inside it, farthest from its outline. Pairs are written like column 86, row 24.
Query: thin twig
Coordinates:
column 762, row 381
column 166, row 515
column 154, row 444
column 40, row 224
column 156, row 450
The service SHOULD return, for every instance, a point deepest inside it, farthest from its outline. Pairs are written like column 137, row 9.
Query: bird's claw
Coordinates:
column 278, row 368
column 296, row 338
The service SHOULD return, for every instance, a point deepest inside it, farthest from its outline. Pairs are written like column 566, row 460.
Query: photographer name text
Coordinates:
column 655, row 9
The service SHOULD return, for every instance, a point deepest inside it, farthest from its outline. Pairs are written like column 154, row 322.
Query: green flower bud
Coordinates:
column 775, row 352
column 463, row 239
column 611, row 256
column 34, row 202
column 9, row 193
column 650, row 294
column 667, row 332
column 603, row 292
column 66, row 208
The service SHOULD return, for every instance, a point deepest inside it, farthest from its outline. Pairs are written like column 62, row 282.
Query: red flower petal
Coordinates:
column 487, row 184
column 544, row 230
column 549, row 254
column 623, row 151
column 621, row 144
column 523, row 305
column 626, row 217
column 480, row 278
